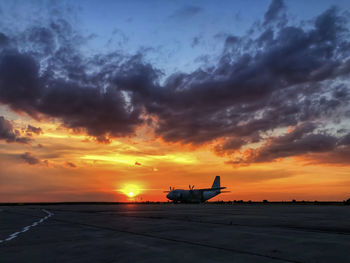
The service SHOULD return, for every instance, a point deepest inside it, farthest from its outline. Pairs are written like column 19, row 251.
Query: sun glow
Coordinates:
column 131, row 190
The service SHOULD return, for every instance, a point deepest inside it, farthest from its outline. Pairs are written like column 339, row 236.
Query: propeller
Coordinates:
column 191, row 188
column 171, row 189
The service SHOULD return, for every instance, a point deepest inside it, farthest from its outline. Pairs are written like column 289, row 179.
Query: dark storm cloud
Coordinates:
column 3, row 40
column 281, row 76
column 9, row 134
column 340, row 155
column 253, row 90
column 229, row 146
column 29, row 158
column 19, row 81
column 292, row 144
column 61, row 87
column 276, row 12
column 316, row 147
column 345, row 140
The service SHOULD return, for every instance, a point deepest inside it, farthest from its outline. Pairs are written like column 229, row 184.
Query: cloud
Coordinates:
column 9, row 134
column 29, row 158
column 186, row 12
column 31, row 129
column 282, row 76
column 276, row 12
column 339, row 155
column 256, row 87
column 62, row 89
column 195, row 41
column 345, row 140
column 3, row 40
column 300, row 141
column 229, row 146
column 70, row 165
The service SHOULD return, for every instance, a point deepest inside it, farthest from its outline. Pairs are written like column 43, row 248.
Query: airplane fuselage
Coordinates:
column 191, row 196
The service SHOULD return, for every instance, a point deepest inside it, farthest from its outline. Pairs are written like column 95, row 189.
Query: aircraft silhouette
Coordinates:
column 195, row 195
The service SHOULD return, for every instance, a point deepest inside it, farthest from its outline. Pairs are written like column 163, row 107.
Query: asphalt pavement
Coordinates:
column 175, row 233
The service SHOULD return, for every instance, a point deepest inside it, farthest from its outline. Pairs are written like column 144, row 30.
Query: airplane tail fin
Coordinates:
column 216, row 183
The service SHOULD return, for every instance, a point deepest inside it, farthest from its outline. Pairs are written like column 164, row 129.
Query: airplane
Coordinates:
column 195, row 195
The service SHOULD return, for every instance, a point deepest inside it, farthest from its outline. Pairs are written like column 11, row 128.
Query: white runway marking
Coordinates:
column 26, row 228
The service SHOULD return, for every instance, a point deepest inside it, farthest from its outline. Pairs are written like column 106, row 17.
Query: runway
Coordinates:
column 174, row 233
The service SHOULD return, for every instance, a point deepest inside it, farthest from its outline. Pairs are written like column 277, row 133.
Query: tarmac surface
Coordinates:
column 175, row 233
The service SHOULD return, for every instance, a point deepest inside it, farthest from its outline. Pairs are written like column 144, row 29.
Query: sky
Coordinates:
column 120, row 100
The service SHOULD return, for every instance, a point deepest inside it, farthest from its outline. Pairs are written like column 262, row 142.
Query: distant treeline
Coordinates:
column 234, row 202
column 345, row 202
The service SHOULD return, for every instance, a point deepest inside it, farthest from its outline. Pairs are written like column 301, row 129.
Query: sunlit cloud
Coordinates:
column 181, row 158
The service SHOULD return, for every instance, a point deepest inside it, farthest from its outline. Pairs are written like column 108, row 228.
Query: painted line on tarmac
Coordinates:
column 26, row 228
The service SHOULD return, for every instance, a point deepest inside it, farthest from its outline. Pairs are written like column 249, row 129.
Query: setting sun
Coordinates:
column 130, row 190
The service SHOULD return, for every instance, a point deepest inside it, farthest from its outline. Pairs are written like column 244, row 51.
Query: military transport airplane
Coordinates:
column 195, row 195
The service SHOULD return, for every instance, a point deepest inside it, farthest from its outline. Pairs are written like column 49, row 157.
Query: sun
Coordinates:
column 130, row 190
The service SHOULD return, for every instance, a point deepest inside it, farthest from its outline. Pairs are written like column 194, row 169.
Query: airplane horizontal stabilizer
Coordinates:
column 211, row 189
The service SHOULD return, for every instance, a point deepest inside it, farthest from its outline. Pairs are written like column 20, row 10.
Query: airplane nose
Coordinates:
column 168, row 196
